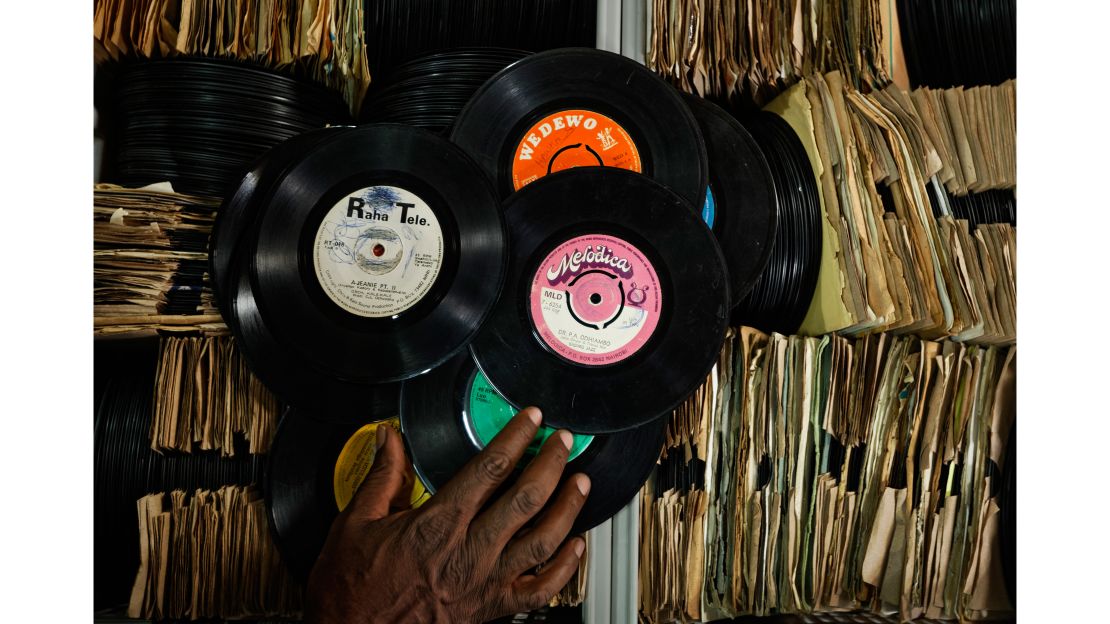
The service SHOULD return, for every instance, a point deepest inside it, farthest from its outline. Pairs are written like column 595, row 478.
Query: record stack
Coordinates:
column 199, row 123
column 959, row 43
column 401, row 30
column 825, row 474
column 781, row 297
column 429, row 91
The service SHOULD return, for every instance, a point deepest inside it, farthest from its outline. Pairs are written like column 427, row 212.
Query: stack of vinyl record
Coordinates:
column 431, row 90
column 985, row 207
column 779, row 300
column 959, row 43
column 198, row 123
column 400, row 30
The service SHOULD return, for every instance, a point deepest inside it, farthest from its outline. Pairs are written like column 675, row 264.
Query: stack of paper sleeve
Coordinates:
column 204, row 395
column 747, row 50
column 150, row 262
column 895, row 256
column 839, row 475
column 209, row 556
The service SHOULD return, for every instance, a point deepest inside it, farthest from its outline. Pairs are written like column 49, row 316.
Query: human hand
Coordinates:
column 452, row 560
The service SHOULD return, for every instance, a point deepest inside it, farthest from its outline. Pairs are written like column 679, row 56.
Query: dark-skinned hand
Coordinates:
column 454, row 559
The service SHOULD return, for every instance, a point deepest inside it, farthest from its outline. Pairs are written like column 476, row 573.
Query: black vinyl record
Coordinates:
column 313, row 468
column 740, row 205
column 449, row 414
column 615, row 304
column 781, row 296
column 240, row 208
column 578, row 107
column 431, row 90
column 378, row 256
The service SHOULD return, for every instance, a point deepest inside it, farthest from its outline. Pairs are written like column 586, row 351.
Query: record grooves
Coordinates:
column 431, row 90
column 239, row 210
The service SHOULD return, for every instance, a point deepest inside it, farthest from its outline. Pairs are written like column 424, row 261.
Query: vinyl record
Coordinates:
column 780, row 298
column 579, row 107
column 615, row 304
column 740, row 204
column 378, row 257
column 240, row 208
column 451, row 413
column 313, row 472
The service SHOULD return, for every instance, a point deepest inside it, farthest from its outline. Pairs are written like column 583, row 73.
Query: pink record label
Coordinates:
column 595, row 300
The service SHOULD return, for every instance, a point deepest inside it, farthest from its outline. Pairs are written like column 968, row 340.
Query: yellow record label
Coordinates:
column 354, row 464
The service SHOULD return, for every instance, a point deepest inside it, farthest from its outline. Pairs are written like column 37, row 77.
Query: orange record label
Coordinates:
column 572, row 138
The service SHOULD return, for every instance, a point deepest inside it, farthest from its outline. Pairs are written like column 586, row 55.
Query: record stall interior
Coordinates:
column 771, row 247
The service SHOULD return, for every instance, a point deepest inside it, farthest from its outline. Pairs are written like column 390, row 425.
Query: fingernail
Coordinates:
column 534, row 415
column 383, row 433
column 583, row 483
column 567, row 438
column 579, row 547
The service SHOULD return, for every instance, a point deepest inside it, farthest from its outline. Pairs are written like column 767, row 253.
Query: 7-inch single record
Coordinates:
column 740, row 204
column 241, row 207
column 451, row 413
column 378, row 257
column 615, row 304
column 577, row 107
column 313, row 472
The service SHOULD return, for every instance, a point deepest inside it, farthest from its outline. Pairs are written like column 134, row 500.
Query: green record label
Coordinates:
column 488, row 413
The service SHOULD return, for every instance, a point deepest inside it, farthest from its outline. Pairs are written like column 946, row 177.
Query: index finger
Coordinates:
column 485, row 472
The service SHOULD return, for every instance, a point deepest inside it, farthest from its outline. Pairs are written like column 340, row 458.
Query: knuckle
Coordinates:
column 539, row 550
column 561, row 452
column 495, row 466
column 527, row 500
column 457, row 569
column 433, row 529
column 523, row 435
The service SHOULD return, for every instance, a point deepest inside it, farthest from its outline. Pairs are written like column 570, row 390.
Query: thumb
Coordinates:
column 386, row 478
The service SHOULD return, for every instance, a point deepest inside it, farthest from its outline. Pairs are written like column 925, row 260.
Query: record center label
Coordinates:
column 488, row 412
column 378, row 251
column 709, row 209
column 595, row 300
column 355, row 460
column 572, row 138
